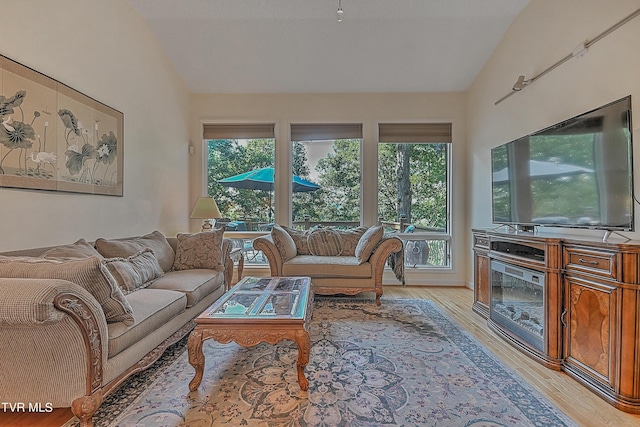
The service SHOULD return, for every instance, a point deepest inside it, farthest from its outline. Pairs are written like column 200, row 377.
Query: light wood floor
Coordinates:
column 581, row 405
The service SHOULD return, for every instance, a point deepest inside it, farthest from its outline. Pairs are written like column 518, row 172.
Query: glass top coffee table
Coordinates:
column 256, row 310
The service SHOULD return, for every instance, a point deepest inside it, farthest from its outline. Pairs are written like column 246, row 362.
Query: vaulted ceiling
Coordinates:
column 298, row 46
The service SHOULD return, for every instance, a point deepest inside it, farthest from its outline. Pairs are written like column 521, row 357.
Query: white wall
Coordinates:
column 368, row 109
column 104, row 50
column 545, row 32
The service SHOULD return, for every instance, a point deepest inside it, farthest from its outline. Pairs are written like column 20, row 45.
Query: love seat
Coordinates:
column 338, row 261
column 77, row 320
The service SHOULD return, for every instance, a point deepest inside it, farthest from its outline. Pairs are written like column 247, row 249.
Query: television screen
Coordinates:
column 577, row 173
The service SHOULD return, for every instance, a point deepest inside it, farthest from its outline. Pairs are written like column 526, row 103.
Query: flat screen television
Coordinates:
column 577, row 173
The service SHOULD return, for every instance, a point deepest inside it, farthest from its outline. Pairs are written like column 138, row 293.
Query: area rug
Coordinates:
column 402, row 364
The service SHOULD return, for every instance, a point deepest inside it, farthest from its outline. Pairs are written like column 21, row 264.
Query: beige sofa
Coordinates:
column 68, row 342
column 338, row 261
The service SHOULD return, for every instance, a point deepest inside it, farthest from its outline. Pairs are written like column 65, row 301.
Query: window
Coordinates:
column 234, row 151
column 326, row 167
column 413, row 189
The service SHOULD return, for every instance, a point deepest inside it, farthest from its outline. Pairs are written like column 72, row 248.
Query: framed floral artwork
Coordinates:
column 55, row 138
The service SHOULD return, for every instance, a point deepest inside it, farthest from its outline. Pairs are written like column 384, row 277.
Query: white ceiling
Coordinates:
column 297, row 46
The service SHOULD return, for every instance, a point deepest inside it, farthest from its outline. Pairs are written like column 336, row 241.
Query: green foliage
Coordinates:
column 428, row 179
column 228, row 158
column 338, row 199
column 339, row 178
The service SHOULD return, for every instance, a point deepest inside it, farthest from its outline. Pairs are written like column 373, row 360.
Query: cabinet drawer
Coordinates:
column 481, row 242
column 601, row 263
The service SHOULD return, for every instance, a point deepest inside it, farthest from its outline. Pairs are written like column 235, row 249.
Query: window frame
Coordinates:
column 433, row 132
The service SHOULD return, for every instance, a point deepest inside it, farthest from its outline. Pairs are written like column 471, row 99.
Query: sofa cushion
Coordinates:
column 123, row 248
column 196, row 284
column 325, row 242
column 152, row 308
column 79, row 249
column 200, row 250
column 368, row 243
column 90, row 273
column 326, row 266
column 300, row 239
column 350, row 239
column 284, row 242
column 136, row 271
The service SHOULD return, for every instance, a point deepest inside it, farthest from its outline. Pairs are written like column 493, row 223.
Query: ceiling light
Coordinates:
column 340, row 12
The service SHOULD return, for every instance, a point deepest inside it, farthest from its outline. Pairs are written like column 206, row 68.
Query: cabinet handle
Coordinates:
column 586, row 261
column 562, row 316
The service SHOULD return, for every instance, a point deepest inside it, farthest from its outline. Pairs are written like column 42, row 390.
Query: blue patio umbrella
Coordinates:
column 262, row 179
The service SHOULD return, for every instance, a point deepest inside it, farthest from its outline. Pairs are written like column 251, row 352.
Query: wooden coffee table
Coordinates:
column 256, row 310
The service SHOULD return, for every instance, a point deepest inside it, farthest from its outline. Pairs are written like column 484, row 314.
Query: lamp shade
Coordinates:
column 205, row 208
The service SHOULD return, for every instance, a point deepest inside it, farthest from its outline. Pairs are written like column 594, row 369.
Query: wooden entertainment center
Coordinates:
column 588, row 295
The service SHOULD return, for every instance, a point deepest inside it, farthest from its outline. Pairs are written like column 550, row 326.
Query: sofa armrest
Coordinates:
column 270, row 250
column 58, row 336
column 387, row 246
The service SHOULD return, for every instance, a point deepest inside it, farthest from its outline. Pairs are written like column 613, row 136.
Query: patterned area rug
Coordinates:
column 402, row 364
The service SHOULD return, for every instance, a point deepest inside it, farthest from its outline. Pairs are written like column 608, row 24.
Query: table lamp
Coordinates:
column 206, row 209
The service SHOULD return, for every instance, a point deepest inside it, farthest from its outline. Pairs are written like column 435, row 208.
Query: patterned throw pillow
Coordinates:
column 300, row 239
column 284, row 242
column 350, row 239
column 135, row 272
column 368, row 243
column 123, row 248
column 79, row 249
column 90, row 273
column 325, row 242
column 201, row 250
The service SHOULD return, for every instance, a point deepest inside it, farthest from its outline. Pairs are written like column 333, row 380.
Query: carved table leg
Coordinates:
column 303, row 341
column 84, row 407
column 196, row 357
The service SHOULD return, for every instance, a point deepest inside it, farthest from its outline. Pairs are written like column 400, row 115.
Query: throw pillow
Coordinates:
column 325, row 242
column 368, row 243
column 284, row 242
column 350, row 239
column 123, row 248
column 300, row 239
column 79, row 249
column 135, row 272
column 201, row 250
column 90, row 273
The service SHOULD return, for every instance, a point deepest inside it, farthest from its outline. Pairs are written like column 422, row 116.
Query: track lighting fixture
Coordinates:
column 578, row 52
column 520, row 83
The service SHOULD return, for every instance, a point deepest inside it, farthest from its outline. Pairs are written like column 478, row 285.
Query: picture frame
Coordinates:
column 55, row 138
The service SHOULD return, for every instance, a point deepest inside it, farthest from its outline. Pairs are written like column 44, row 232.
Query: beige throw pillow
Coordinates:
column 350, row 239
column 79, row 249
column 300, row 239
column 201, row 250
column 124, row 248
column 325, row 242
column 90, row 273
column 368, row 243
column 135, row 272
column 284, row 242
